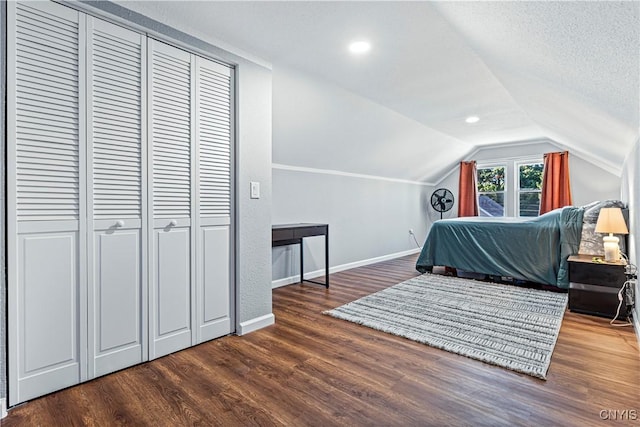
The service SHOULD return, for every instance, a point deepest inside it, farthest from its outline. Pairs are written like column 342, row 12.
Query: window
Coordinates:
column 510, row 187
column 491, row 190
column 529, row 188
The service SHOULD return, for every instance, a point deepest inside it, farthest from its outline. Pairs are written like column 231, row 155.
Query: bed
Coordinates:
column 533, row 249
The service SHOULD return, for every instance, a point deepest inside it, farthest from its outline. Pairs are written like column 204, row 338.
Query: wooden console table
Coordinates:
column 292, row 234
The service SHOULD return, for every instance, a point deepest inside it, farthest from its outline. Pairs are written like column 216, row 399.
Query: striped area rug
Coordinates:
column 508, row 326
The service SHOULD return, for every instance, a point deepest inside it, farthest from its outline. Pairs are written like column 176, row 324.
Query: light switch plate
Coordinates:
column 255, row 190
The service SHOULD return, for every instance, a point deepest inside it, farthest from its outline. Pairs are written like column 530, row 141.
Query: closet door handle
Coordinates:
column 119, row 223
column 173, row 223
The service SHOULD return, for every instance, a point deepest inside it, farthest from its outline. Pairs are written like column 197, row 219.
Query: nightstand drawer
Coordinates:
column 595, row 300
column 597, row 274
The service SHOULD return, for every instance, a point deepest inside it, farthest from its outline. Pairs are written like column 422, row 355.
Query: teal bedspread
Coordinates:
column 534, row 249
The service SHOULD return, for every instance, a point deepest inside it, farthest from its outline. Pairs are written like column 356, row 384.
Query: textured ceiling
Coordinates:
column 568, row 71
column 573, row 66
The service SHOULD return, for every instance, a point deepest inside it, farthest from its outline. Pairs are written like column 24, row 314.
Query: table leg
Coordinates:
column 301, row 262
column 326, row 259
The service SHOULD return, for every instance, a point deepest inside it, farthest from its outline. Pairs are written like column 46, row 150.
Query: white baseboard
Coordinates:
column 318, row 273
column 3, row 408
column 255, row 324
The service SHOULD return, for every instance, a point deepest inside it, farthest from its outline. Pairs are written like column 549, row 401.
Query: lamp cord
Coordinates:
column 620, row 301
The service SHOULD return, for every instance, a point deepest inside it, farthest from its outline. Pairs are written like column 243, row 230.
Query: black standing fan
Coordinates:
column 442, row 200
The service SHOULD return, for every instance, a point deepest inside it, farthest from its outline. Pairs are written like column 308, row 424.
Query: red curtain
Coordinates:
column 468, row 190
column 556, row 188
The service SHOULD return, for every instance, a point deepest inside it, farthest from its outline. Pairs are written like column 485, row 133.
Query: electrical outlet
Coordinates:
column 411, row 231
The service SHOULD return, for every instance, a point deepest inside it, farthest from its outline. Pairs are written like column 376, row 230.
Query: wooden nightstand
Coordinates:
column 593, row 287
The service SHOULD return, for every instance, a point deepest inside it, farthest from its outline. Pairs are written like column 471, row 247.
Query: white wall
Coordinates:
column 368, row 219
column 317, row 124
column 588, row 181
column 631, row 195
column 253, row 217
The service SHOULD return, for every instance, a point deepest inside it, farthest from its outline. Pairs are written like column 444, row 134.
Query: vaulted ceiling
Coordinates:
column 567, row 71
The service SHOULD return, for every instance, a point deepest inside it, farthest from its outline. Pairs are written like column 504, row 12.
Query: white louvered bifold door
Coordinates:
column 116, row 75
column 46, row 199
column 170, row 198
column 214, row 135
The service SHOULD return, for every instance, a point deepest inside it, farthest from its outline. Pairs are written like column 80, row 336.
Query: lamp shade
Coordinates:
column 610, row 220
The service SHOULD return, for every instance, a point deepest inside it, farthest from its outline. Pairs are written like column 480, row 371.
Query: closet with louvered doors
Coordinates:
column 119, row 206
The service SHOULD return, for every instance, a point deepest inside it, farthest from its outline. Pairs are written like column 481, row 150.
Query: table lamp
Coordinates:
column 610, row 220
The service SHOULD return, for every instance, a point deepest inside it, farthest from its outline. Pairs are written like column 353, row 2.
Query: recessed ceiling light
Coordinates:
column 359, row 47
column 472, row 119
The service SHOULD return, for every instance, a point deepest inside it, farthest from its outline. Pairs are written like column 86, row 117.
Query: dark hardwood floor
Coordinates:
column 311, row 369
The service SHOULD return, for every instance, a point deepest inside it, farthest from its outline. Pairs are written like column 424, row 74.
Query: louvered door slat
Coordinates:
column 119, row 180
column 32, row 94
column 120, row 102
column 30, row 61
column 170, row 152
column 33, row 56
column 115, row 114
column 216, row 127
column 171, row 106
column 36, row 50
column 214, row 102
column 117, row 123
column 118, row 158
column 54, row 124
column 30, row 105
column 52, row 37
column 174, row 104
column 44, row 16
column 53, row 80
column 123, row 150
column 117, row 92
column 112, row 71
column 125, row 53
column 122, row 48
column 126, row 132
